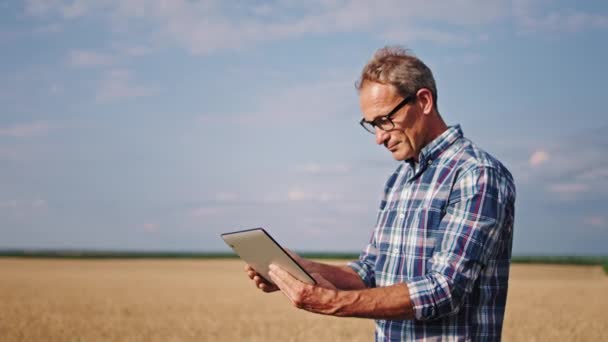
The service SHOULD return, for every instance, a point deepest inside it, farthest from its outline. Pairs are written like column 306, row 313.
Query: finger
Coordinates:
column 287, row 278
column 280, row 284
column 289, row 285
column 267, row 287
column 258, row 280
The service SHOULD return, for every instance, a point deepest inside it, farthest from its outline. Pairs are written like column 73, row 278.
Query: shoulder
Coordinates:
column 477, row 167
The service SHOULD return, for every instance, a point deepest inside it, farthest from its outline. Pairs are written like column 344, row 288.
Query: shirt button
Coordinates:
column 395, row 250
column 402, row 215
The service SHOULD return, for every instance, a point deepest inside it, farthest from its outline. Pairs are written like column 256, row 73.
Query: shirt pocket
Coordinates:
column 406, row 241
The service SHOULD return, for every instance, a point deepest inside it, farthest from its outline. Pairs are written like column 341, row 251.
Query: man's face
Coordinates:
column 405, row 140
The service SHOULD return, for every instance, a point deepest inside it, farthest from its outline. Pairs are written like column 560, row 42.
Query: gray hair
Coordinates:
column 397, row 66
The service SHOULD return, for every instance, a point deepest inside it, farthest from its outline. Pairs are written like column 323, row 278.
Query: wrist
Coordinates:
column 344, row 303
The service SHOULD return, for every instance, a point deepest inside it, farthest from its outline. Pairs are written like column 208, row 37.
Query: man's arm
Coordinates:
column 391, row 302
column 474, row 224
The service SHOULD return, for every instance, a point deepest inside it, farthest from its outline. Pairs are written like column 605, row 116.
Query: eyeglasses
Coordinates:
column 384, row 122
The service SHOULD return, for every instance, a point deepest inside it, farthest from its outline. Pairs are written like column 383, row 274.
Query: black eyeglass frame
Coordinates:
column 383, row 120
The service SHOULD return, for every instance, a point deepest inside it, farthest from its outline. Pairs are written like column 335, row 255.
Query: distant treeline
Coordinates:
column 117, row 254
column 92, row 254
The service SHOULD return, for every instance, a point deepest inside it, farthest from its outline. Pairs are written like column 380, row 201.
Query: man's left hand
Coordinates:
column 322, row 298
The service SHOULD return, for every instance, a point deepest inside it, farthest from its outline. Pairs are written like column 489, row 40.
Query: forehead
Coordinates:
column 376, row 99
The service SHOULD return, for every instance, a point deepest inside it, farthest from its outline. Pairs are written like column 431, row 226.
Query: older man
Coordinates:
column 437, row 264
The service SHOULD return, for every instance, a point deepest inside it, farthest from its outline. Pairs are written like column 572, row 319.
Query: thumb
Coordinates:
column 322, row 282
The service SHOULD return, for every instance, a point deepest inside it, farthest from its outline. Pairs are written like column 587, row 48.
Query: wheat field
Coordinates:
column 213, row 300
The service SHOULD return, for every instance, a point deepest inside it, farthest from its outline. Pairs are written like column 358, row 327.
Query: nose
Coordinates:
column 381, row 136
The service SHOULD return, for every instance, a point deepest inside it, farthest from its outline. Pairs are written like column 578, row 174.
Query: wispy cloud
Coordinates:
column 67, row 9
column 596, row 221
column 320, row 168
column 535, row 16
column 569, row 189
column 22, row 209
column 85, row 58
column 227, row 197
column 538, row 158
column 301, row 194
column 150, row 227
column 24, row 130
column 205, row 211
column 565, row 170
column 207, row 26
column 119, row 84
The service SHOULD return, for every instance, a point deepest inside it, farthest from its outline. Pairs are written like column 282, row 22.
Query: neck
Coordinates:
column 436, row 128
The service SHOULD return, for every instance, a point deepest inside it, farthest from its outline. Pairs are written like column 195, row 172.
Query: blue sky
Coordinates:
column 158, row 125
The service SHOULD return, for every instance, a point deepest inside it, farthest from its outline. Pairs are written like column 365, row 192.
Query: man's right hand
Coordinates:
column 265, row 285
column 260, row 282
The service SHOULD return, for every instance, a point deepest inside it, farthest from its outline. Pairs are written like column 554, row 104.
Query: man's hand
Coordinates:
column 260, row 282
column 264, row 285
column 321, row 298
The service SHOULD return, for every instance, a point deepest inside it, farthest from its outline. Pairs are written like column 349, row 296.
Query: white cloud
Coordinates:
column 84, row 58
column 22, row 209
column 135, row 50
column 538, row 16
column 226, row 197
column 595, row 221
column 407, row 34
column 118, row 84
column 298, row 194
column 595, row 174
column 204, row 27
column 150, row 227
column 207, row 26
column 68, row 9
column 565, row 22
column 205, row 211
column 538, row 158
column 318, row 168
column 24, row 130
column 569, row 189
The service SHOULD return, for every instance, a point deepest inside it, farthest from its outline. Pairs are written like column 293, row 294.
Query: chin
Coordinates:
column 399, row 156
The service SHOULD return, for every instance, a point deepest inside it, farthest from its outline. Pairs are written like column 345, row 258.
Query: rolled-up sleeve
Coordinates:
column 365, row 266
column 472, row 229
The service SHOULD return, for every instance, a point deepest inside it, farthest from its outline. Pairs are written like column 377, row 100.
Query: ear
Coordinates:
column 425, row 99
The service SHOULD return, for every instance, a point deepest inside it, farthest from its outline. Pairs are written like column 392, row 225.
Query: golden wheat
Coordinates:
column 213, row 300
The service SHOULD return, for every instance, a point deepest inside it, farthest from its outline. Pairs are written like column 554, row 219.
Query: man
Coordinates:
column 437, row 264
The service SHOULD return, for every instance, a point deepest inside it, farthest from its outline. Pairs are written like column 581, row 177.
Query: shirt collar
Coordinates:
column 433, row 149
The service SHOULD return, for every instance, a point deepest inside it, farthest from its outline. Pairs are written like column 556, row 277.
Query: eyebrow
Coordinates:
column 393, row 111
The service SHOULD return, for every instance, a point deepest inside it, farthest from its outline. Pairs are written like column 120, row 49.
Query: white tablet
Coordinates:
column 257, row 248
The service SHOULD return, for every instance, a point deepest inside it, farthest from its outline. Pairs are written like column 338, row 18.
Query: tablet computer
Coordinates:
column 257, row 248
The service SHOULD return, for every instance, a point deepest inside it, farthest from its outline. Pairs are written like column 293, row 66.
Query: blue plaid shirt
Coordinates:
column 445, row 228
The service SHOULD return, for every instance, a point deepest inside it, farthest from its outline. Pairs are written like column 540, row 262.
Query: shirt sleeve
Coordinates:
column 365, row 266
column 473, row 227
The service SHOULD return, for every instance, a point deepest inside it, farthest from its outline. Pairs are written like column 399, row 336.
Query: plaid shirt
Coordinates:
column 445, row 228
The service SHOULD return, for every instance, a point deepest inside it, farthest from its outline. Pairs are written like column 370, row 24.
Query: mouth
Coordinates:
column 392, row 148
